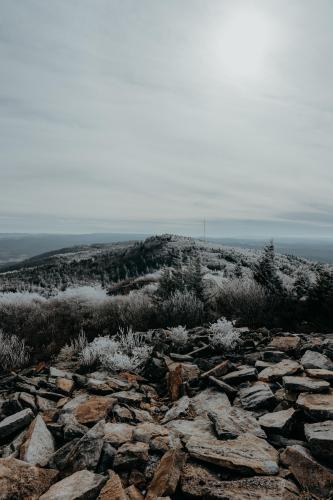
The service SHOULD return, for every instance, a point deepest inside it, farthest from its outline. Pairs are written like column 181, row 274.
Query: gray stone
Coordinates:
column 257, row 396
column 242, row 375
column 320, row 438
column 313, row 359
column 131, row 454
column 305, row 384
column 278, row 422
column 83, row 485
column 86, row 453
column 233, row 422
column 209, row 400
column 15, row 423
column 178, row 409
column 279, row 370
column 118, row 433
column 38, row 445
column 200, row 427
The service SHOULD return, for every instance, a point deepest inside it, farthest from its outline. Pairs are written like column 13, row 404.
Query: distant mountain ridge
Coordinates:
column 107, row 264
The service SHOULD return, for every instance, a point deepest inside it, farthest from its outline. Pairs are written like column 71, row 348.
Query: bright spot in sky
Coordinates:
column 245, row 44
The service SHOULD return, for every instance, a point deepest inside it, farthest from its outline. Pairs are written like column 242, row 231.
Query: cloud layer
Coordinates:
column 120, row 115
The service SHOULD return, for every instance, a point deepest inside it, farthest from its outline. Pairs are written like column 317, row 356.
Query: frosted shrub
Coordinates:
column 222, row 334
column 13, row 352
column 74, row 347
column 182, row 307
column 178, row 335
column 128, row 352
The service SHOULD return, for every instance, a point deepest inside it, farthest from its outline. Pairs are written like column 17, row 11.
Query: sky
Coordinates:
column 151, row 116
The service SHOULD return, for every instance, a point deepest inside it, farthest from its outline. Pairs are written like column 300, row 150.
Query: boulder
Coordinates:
column 167, row 475
column 309, row 473
column 278, row 422
column 317, row 406
column 14, row 423
column 257, row 396
column 233, row 422
column 313, row 359
column 94, row 409
column 320, row 438
column 20, row 480
column 113, row 489
column 305, row 384
column 247, row 454
column 279, row 370
column 82, row 485
column 38, row 445
column 198, row 482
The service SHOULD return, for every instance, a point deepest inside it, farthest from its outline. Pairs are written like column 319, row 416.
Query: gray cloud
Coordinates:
column 120, row 114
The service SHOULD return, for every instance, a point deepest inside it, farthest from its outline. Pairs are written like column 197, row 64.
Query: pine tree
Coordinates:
column 301, row 285
column 265, row 272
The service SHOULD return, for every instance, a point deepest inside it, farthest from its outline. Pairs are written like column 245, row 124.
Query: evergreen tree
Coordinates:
column 301, row 285
column 265, row 272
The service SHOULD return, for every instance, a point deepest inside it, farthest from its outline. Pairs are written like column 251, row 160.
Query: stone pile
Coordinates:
column 255, row 423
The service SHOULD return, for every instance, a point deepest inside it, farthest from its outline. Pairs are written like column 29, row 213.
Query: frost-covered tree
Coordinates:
column 265, row 272
column 302, row 284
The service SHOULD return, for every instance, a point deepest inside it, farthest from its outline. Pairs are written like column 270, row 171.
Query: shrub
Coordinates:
column 128, row 352
column 74, row 347
column 178, row 335
column 222, row 334
column 182, row 308
column 13, row 352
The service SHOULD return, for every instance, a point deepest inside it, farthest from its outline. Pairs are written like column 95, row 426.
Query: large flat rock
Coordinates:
column 198, row 482
column 82, row 485
column 305, row 384
column 317, row 406
column 209, row 400
column 200, row 427
column 23, row 481
column 279, row 370
column 233, row 422
column 278, row 422
column 247, row 454
column 285, row 343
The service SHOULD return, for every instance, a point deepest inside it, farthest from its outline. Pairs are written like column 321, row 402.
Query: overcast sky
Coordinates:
column 151, row 115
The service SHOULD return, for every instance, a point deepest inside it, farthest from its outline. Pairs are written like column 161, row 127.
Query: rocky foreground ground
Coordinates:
column 256, row 423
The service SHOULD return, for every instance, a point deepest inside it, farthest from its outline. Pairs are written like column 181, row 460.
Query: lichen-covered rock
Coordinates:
column 247, row 453
column 38, row 445
column 82, row 485
column 23, row 481
column 310, row 474
column 317, row 406
column 199, row 482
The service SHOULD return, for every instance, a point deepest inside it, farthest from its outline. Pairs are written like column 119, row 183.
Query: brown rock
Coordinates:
column 247, row 453
column 310, row 474
column 285, row 344
column 198, row 482
column 23, row 481
column 65, row 385
column 113, row 489
column 133, row 493
column 317, row 406
column 320, row 373
column 92, row 410
column 178, row 373
column 130, row 454
column 167, row 474
column 279, row 370
column 118, row 433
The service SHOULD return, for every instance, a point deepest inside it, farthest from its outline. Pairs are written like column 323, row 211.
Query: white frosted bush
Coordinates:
column 178, row 335
column 222, row 334
column 128, row 352
column 13, row 352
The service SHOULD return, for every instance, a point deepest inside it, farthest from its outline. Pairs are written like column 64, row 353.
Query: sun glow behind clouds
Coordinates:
column 245, row 43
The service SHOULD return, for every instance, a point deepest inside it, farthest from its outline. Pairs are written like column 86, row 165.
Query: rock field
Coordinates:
column 254, row 423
